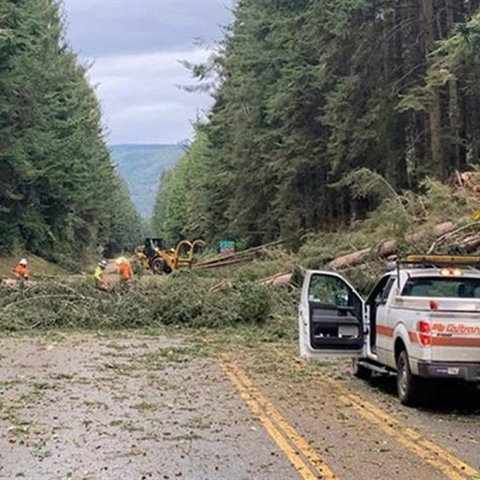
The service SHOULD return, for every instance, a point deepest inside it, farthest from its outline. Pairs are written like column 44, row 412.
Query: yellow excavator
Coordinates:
column 160, row 259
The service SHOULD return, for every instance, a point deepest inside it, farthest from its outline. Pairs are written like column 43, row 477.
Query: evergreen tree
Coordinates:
column 58, row 188
column 311, row 91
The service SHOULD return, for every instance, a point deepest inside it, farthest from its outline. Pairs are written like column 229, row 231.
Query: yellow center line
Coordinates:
column 291, row 433
column 255, row 400
column 417, row 438
column 424, row 454
column 439, row 458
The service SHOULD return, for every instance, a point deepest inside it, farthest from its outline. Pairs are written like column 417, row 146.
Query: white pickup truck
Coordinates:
column 422, row 321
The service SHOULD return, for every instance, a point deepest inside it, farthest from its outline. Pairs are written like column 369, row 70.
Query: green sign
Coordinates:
column 227, row 247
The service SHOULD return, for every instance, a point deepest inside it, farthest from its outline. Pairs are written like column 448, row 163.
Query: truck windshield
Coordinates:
column 443, row 287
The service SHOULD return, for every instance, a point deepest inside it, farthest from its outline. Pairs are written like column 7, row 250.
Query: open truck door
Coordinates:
column 331, row 317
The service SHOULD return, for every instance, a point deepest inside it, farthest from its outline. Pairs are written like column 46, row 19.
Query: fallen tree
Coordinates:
column 184, row 299
column 466, row 238
column 239, row 257
column 388, row 248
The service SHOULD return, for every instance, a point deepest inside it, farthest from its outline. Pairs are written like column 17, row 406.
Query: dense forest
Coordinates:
column 312, row 96
column 60, row 196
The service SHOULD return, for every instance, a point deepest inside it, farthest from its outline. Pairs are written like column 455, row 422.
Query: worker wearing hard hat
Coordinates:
column 124, row 269
column 98, row 275
column 22, row 272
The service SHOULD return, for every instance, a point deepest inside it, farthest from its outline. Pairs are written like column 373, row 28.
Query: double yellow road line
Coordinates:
column 437, row 457
column 308, row 464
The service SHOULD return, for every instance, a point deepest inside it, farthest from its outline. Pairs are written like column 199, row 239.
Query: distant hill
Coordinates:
column 142, row 166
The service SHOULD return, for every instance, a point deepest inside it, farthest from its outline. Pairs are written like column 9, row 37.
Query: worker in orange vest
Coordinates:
column 124, row 269
column 22, row 272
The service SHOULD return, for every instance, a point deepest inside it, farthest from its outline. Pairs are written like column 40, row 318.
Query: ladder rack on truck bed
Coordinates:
column 439, row 261
column 448, row 265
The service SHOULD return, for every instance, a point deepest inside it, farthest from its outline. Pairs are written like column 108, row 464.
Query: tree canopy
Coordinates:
column 60, row 196
column 312, row 91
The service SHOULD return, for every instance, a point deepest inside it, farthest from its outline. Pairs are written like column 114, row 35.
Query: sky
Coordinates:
column 135, row 47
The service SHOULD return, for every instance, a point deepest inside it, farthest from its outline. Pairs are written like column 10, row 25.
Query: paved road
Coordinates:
column 137, row 407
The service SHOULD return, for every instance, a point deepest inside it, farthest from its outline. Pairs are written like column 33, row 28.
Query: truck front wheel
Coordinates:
column 408, row 385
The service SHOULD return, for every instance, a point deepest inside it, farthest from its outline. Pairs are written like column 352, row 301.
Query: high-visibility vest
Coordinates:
column 125, row 270
column 22, row 271
column 98, row 274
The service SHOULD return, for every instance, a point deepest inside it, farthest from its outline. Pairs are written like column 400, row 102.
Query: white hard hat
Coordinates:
column 103, row 264
column 23, row 261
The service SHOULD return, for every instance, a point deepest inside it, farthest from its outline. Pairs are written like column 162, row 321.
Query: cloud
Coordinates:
column 141, row 96
column 157, row 63
column 135, row 47
column 106, row 27
column 149, row 110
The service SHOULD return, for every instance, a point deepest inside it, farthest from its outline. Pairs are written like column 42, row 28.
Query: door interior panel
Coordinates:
column 334, row 327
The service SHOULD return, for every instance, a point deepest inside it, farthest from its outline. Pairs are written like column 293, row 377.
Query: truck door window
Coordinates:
column 386, row 291
column 377, row 298
column 328, row 291
column 380, row 293
column 335, row 313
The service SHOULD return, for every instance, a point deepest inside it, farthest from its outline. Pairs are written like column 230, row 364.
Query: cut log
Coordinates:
column 450, row 235
column 250, row 254
column 351, row 259
column 470, row 243
column 223, row 285
column 278, row 280
column 227, row 263
column 10, row 283
column 443, row 229
column 388, row 247
column 415, row 237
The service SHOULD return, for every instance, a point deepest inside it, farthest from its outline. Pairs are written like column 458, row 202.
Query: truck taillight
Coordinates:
column 424, row 334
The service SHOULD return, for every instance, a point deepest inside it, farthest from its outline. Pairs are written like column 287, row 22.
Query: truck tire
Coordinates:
column 359, row 371
column 408, row 385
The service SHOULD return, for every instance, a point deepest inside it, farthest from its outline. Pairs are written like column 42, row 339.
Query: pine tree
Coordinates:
column 57, row 179
column 312, row 91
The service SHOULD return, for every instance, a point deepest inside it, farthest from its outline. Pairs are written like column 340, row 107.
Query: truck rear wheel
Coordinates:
column 408, row 385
